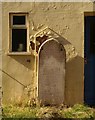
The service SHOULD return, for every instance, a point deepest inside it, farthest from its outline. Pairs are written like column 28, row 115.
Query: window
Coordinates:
column 18, row 32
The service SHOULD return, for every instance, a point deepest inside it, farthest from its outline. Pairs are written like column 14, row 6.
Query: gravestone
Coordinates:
column 51, row 73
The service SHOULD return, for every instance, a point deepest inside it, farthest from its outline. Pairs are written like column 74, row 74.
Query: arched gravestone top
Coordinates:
column 51, row 72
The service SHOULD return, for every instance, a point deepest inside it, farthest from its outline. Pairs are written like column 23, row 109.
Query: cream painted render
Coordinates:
column 66, row 19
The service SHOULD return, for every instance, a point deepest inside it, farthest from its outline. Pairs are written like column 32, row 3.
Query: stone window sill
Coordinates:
column 19, row 53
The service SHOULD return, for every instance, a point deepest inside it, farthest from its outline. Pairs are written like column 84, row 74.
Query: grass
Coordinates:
column 19, row 112
column 77, row 111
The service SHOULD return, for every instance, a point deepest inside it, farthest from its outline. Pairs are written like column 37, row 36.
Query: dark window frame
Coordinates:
column 18, row 26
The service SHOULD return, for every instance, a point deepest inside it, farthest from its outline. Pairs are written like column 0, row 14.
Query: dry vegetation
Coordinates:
column 77, row 111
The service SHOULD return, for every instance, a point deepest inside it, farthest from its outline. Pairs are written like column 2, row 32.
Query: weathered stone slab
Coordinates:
column 51, row 74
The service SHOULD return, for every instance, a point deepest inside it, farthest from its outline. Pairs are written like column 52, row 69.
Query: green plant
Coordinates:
column 77, row 111
column 18, row 112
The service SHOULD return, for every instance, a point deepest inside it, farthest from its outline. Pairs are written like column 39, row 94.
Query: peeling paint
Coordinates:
column 40, row 26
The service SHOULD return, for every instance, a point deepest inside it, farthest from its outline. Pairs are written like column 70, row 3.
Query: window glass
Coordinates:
column 19, row 42
column 19, row 20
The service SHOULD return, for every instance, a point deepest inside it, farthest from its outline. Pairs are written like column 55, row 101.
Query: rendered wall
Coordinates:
column 67, row 19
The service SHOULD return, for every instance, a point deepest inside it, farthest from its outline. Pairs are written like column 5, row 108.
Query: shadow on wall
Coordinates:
column 15, row 80
column 27, row 61
column 61, row 39
column 74, row 84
